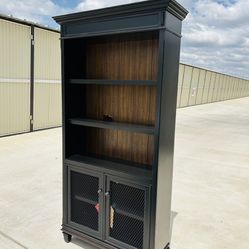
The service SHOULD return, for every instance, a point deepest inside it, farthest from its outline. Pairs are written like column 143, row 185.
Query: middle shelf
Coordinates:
column 113, row 82
column 126, row 211
column 146, row 129
column 88, row 199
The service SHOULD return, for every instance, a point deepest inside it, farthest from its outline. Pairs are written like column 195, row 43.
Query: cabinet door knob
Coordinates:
column 107, row 193
column 100, row 191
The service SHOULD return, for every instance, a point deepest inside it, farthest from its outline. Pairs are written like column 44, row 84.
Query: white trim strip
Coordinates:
column 8, row 80
column 4, row 80
column 47, row 81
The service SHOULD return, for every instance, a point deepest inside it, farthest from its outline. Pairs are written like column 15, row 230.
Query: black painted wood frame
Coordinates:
column 166, row 17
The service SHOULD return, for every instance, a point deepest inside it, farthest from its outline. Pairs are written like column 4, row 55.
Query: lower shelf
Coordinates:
column 130, row 170
column 88, row 200
column 85, row 214
column 128, row 213
column 112, row 125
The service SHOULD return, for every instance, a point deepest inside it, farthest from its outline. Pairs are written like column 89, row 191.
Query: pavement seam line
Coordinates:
column 13, row 240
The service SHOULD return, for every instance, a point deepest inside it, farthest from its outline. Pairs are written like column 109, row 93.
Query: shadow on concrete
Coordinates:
column 172, row 218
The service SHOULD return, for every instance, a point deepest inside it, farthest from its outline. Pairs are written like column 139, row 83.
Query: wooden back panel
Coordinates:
column 123, row 57
column 134, row 147
column 125, row 103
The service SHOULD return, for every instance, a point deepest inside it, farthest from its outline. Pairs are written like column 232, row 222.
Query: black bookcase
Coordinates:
column 119, row 88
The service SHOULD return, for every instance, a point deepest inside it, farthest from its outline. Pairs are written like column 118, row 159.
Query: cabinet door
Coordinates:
column 127, row 214
column 85, row 201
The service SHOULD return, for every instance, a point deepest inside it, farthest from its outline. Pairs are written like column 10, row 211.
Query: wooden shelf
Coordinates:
column 130, row 213
column 127, row 169
column 113, row 82
column 84, row 199
column 113, row 125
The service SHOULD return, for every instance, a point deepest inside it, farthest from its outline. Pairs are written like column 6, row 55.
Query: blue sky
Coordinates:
column 215, row 33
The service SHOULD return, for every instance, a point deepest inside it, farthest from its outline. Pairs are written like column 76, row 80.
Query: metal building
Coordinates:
column 201, row 86
column 30, row 79
column 30, row 96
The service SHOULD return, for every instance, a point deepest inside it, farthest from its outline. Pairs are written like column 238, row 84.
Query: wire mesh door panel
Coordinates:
column 85, row 201
column 127, row 214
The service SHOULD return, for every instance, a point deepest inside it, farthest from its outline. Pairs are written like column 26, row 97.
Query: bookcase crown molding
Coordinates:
column 129, row 9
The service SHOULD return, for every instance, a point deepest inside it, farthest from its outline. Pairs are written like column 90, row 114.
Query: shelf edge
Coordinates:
column 113, row 82
column 113, row 125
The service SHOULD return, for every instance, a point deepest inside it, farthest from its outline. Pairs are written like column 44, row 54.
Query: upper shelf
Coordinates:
column 113, row 82
column 113, row 125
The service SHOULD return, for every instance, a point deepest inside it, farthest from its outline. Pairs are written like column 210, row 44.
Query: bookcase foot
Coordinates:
column 167, row 246
column 67, row 237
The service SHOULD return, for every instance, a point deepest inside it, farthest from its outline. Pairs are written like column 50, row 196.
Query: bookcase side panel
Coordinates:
column 167, row 131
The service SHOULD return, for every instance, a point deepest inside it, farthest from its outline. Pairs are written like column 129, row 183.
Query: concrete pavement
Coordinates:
column 210, row 206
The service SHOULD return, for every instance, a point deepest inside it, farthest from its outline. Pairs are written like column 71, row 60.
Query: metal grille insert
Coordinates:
column 127, row 214
column 84, row 200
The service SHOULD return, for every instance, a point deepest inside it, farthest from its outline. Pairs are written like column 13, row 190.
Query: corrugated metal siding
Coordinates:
column 187, row 77
column 200, row 86
column 47, row 88
column 14, row 78
column 180, row 82
column 206, row 88
column 193, row 87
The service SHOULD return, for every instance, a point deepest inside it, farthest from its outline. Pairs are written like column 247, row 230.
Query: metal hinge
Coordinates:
column 32, row 39
column 31, row 117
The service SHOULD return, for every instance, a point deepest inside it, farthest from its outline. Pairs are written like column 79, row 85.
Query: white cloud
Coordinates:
column 95, row 4
column 216, row 35
column 232, row 14
column 32, row 10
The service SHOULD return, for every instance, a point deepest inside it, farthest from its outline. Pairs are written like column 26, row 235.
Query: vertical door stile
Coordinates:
column 32, row 53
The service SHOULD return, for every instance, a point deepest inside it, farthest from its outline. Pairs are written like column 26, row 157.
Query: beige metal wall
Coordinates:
column 15, row 89
column 14, row 78
column 47, row 87
column 200, row 86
